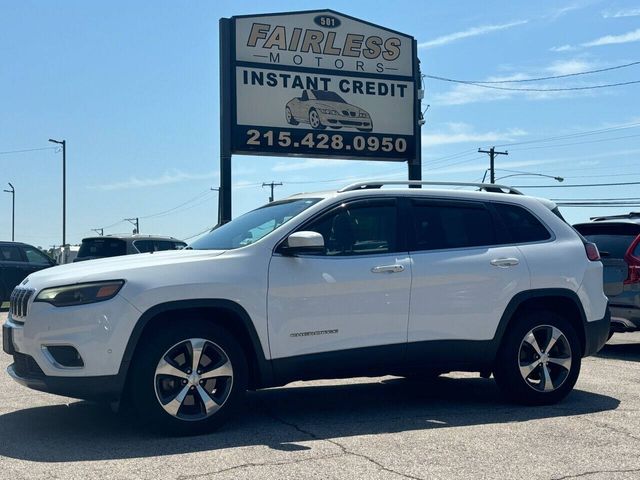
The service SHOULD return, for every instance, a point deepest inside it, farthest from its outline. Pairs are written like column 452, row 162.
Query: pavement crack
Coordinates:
column 611, row 428
column 343, row 448
column 257, row 464
column 596, row 472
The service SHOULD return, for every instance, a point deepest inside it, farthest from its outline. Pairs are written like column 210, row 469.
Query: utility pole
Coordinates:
column 99, row 231
column 135, row 222
column 13, row 211
column 272, row 185
column 64, row 188
column 492, row 165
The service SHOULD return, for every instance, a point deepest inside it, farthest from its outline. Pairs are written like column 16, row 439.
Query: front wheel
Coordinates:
column 188, row 378
column 539, row 360
column 314, row 120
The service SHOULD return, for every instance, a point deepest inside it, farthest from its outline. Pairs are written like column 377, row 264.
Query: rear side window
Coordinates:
column 612, row 246
column 10, row 254
column 522, row 226
column 144, row 246
column 443, row 225
column 102, row 247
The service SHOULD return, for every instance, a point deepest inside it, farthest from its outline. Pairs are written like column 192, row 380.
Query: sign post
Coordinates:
column 316, row 84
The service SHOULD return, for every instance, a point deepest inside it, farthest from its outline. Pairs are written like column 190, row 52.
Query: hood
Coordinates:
column 339, row 106
column 114, row 267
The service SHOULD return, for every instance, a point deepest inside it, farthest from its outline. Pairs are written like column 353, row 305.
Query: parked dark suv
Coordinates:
column 618, row 239
column 17, row 260
column 116, row 245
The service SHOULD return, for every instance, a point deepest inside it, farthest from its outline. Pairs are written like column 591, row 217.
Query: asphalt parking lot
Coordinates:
column 454, row 427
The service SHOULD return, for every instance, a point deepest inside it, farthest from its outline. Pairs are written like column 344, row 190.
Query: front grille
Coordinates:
column 19, row 301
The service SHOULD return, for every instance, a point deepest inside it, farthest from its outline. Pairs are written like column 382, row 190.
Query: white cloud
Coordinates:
column 566, row 67
column 628, row 37
column 563, row 48
column 471, row 32
column 169, row 177
column 464, row 133
column 632, row 12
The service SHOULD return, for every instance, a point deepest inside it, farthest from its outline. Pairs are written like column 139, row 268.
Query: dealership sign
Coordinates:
column 318, row 83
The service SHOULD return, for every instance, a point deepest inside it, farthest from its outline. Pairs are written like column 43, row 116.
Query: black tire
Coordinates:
column 318, row 124
column 289, row 117
column 516, row 353
column 146, row 386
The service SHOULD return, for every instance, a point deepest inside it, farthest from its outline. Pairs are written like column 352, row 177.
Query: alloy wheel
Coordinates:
column 193, row 379
column 314, row 120
column 544, row 358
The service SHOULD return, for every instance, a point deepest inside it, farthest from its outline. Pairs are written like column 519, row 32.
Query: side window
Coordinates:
column 521, row 224
column 10, row 254
column 441, row 225
column 144, row 246
column 304, row 96
column 36, row 257
column 362, row 228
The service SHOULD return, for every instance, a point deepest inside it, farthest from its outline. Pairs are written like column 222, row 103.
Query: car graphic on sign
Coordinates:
column 326, row 109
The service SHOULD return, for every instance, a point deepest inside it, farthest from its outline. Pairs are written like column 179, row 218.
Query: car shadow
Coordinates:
column 279, row 418
column 621, row 351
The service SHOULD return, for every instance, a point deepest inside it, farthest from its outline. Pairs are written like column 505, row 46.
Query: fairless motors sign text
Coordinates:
column 321, row 84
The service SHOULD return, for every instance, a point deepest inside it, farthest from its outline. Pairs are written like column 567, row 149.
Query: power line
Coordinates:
column 27, row 150
column 197, row 234
column 566, row 89
column 551, row 77
column 578, row 185
column 573, row 135
column 575, row 143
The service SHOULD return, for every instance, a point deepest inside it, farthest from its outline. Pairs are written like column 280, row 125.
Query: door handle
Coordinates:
column 505, row 262
column 387, row 269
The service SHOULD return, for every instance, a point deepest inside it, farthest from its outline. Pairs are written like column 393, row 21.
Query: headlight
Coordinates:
column 80, row 293
column 328, row 111
column 363, row 114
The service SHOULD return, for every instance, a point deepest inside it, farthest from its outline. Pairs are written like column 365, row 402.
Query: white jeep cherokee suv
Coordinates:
column 365, row 281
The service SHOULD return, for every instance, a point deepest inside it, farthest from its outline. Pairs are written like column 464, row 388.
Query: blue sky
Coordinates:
column 133, row 88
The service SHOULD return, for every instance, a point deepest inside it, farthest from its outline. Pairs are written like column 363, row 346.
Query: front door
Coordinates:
column 351, row 300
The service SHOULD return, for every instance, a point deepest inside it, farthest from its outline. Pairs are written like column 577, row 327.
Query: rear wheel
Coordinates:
column 188, row 379
column 290, row 118
column 539, row 360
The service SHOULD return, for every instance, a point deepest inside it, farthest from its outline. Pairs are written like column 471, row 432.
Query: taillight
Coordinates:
column 633, row 274
column 592, row 251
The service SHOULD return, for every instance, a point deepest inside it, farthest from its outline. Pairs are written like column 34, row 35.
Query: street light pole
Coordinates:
column 13, row 211
column 64, row 188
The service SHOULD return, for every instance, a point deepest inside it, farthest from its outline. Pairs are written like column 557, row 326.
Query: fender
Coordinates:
column 264, row 374
column 526, row 295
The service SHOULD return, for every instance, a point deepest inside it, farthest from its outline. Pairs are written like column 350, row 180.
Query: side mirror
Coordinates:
column 303, row 242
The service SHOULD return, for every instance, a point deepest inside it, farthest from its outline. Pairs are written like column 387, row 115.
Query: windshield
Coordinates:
column 252, row 226
column 327, row 96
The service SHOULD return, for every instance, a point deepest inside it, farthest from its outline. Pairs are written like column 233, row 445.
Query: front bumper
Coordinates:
column 596, row 334
column 103, row 389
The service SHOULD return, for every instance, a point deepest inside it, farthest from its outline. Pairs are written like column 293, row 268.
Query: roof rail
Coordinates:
column 611, row 217
column 487, row 187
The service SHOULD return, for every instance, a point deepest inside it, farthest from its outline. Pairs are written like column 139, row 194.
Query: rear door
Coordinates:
column 464, row 274
column 13, row 267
